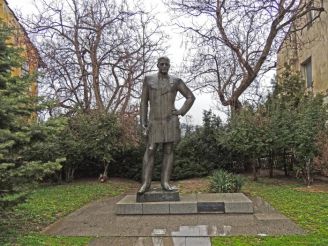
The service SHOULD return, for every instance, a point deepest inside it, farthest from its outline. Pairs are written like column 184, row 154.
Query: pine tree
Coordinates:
column 16, row 107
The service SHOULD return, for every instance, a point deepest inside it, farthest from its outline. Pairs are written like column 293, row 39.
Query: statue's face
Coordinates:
column 163, row 66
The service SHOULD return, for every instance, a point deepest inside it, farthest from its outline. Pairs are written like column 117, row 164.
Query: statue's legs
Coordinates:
column 167, row 166
column 147, row 167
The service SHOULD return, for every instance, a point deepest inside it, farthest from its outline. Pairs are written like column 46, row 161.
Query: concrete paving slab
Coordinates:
column 270, row 216
column 116, row 229
column 261, row 206
column 153, row 241
column 146, row 241
column 179, row 241
column 192, row 235
column 185, row 231
column 175, row 221
column 240, row 230
column 227, row 219
column 280, row 227
column 148, row 223
column 92, row 220
column 197, row 241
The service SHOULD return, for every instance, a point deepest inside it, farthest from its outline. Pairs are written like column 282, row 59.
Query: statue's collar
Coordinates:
column 163, row 77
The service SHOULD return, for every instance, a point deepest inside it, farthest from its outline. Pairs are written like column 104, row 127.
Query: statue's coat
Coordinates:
column 158, row 94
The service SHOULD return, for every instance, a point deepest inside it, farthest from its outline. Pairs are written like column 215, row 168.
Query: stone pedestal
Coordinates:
column 231, row 203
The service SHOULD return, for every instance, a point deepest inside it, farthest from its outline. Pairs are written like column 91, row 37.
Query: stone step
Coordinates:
column 188, row 204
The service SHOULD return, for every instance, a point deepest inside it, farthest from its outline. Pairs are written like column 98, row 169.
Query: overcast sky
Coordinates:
column 175, row 53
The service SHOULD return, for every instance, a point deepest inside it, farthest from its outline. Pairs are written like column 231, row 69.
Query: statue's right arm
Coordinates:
column 144, row 104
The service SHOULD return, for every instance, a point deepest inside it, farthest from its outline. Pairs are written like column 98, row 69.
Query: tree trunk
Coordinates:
column 254, row 169
column 285, row 164
column 271, row 165
column 69, row 174
column 247, row 164
column 105, row 173
column 59, row 177
column 308, row 172
column 235, row 106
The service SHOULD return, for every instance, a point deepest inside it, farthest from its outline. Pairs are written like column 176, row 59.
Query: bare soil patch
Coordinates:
column 200, row 185
column 322, row 187
column 196, row 185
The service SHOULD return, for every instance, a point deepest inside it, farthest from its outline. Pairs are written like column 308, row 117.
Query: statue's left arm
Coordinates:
column 187, row 93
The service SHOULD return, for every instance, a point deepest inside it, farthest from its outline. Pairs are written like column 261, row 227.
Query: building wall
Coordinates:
column 21, row 39
column 309, row 44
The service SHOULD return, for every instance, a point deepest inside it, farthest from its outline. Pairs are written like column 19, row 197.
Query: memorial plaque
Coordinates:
column 210, row 207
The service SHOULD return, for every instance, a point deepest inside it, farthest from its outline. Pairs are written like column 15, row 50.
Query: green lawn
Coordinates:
column 46, row 205
column 307, row 209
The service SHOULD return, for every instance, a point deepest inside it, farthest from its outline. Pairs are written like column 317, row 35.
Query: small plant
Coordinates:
column 224, row 182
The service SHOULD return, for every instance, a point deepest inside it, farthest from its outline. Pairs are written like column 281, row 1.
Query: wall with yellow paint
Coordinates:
column 309, row 44
column 20, row 39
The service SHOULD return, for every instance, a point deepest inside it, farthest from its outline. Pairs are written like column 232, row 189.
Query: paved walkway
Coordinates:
column 98, row 220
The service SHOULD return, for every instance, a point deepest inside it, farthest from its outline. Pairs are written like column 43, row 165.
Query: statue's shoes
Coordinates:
column 143, row 189
column 168, row 187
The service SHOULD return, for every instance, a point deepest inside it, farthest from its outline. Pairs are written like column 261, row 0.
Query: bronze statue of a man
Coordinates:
column 161, row 125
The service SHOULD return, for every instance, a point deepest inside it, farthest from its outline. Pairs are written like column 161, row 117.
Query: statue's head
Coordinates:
column 163, row 64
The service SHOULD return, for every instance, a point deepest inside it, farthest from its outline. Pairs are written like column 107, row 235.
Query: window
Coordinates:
column 313, row 11
column 307, row 71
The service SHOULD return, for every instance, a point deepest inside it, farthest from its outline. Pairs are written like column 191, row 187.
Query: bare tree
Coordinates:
column 235, row 41
column 96, row 52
